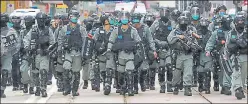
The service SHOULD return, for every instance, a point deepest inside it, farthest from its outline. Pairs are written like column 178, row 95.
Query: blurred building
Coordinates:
column 8, row 6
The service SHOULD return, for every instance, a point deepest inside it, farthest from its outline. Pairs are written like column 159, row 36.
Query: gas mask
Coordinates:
column 165, row 19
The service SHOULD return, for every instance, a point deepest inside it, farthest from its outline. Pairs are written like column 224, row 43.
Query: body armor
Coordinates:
column 220, row 37
column 74, row 38
column 124, row 41
column 8, row 41
column 204, row 37
column 163, row 31
column 237, row 44
column 102, row 40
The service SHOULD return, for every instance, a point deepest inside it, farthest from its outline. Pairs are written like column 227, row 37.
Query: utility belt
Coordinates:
column 71, row 49
column 183, row 52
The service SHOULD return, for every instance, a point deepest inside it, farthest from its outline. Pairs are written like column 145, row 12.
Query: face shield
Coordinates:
column 124, row 17
column 16, row 22
column 164, row 15
column 195, row 13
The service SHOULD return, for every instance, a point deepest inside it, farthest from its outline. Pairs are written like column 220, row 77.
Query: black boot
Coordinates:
column 108, row 81
column 49, row 82
column 142, row 80
column 21, row 86
column 200, row 81
column 43, row 82
column 207, row 82
column 25, row 89
column 66, row 82
column 2, row 94
column 76, row 84
column 161, row 78
column 176, row 90
column 37, row 91
column 85, row 86
column 31, row 90
column 43, row 93
column 136, row 82
column 15, row 88
column 239, row 93
column 130, row 83
column 152, row 79
column 187, row 91
column 103, row 77
column 226, row 91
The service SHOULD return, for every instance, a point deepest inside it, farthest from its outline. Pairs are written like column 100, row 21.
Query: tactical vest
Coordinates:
column 124, row 41
column 237, row 44
column 219, row 38
column 163, row 31
column 141, row 32
column 75, row 41
column 43, row 38
column 9, row 40
column 205, row 35
column 102, row 40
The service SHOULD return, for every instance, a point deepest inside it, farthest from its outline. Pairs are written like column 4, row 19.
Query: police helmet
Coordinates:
column 221, row 7
column 57, row 16
column 16, row 21
column 4, row 18
column 149, row 17
column 103, row 18
column 41, row 18
column 74, row 13
column 136, row 17
column 239, row 19
column 195, row 13
column 124, row 17
column 29, row 21
column 204, row 22
column 175, row 14
column 164, row 12
column 184, row 18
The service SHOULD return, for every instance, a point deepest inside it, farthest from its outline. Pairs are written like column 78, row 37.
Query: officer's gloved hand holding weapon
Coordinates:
column 188, row 42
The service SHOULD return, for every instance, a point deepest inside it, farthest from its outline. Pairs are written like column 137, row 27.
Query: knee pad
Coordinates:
column 43, row 74
column 109, row 72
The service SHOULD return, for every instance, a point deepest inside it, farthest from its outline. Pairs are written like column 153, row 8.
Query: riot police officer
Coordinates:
column 236, row 51
column 205, row 63
column 124, row 40
column 160, row 29
column 215, row 46
column 4, row 20
column 106, row 64
column 71, row 38
column 174, row 15
column 38, row 41
column 142, row 66
column 25, row 62
column 149, row 19
column 10, row 45
column 57, row 25
column 195, row 17
column 184, row 43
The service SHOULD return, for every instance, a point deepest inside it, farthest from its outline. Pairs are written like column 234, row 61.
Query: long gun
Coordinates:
column 32, row 51
column 52, row 49
column 188, row 41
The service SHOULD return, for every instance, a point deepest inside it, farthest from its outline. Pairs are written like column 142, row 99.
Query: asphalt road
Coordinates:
column 90, row 96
